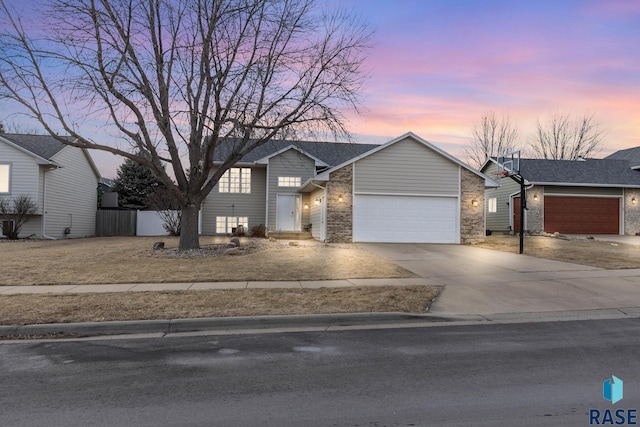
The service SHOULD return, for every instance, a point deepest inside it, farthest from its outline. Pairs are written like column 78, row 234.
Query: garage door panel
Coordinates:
column 582, row 215
column 400, row 219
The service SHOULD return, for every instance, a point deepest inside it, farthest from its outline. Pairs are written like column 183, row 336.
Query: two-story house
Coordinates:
column 407, row 190
column 62, row 180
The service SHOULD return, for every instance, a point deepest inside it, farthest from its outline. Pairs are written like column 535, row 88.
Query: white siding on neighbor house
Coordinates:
column 406, row 167
column 290, row 163
column 71, row 195
column 23, row 174
column 251, row 205
column 499, row 221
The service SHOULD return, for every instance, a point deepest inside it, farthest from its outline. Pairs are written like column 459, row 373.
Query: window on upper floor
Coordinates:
column 235, row 180
column 289, row 181
column 492, row 205
column 4, row 178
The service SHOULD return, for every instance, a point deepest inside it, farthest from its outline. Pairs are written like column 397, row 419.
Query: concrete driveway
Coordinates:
column 482, row 281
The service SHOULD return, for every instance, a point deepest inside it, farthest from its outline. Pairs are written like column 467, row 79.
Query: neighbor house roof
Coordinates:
column 630, row 154
column 331, row 153
column 589, row 172
column 44, row 146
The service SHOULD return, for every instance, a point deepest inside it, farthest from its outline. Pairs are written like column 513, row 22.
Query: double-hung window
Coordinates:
column 235, row 180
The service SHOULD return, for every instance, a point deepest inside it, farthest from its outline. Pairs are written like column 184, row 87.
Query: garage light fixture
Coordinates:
column 340, row 199
column 633, row 200
column 535, row 197
column 474, row 202
column 317, row 202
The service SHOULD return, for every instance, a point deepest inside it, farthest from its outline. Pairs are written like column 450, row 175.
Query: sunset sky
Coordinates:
column 438, row 65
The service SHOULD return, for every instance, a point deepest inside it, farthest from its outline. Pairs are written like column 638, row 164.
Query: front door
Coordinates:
column 288, row 212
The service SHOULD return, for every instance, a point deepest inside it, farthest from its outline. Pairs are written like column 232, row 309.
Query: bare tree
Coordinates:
column 176, row 77
column 491, row 137
column 561, row 138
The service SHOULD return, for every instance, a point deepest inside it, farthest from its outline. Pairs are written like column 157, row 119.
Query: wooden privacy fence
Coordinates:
column 115, row 223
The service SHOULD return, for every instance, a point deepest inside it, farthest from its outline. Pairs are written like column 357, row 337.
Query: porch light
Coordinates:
column 535, row 197
column 633, row 200
column 317, row 202
column 474, row 202
column 306, row 206
column 340, row 198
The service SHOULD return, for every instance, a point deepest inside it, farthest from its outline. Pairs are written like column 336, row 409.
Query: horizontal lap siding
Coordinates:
column 71, row 195
column 289, row 163
column 499, row 221
column 406, row 167
column 251, row 205
column 24, row 174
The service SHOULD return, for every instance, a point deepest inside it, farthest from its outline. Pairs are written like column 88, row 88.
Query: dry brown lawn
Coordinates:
column 594, row 253
column 31, row 309
column 131, row 260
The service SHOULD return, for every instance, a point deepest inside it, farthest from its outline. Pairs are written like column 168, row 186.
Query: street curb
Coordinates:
column 300, row 323
column 174, row 326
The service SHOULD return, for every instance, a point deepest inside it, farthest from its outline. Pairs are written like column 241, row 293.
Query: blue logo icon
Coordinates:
column 612, row 389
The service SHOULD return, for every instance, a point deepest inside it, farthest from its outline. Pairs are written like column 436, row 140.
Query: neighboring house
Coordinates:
column 406, row 190
column 590, row 196
column 61, row 180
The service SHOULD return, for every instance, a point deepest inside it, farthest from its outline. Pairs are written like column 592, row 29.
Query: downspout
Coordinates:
column 44, row 206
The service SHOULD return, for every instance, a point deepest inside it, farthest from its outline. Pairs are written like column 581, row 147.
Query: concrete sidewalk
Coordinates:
column 480, row 285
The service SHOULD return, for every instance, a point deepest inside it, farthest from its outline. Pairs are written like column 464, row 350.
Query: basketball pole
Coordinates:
column 523, row 206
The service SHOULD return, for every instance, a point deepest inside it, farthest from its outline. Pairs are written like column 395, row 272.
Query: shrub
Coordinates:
column 259, row 231
column 14, row 213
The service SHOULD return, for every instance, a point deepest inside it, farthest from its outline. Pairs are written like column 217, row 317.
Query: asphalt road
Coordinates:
column 482, row 375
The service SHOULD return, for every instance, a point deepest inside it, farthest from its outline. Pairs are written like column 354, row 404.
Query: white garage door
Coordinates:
column 398, row 219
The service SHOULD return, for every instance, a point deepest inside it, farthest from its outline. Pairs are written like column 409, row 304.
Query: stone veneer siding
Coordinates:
column 534, row 215
column 340, row 214
column 631, row 212
column 471, row 217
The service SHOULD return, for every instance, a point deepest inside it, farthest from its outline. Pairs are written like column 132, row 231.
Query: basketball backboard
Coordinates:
column 508, row 164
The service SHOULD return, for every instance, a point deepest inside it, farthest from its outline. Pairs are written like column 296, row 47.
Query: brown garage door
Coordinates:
column 581, row 215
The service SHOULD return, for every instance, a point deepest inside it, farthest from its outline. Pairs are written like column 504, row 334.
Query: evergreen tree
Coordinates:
column 134, row 184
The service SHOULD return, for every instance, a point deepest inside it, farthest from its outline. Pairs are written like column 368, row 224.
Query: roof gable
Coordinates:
column 265, row 160
column 410, row 135
column 327, row 153
column 42, row 146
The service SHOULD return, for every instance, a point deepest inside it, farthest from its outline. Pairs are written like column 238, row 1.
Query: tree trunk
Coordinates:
column 189, row 238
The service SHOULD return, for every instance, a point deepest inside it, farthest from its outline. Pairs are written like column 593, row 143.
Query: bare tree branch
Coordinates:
column 561, row 138
column 174, row 78
column 492, row 137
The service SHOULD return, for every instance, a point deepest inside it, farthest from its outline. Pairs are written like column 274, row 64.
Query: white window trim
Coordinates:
column 8, row 189
column 231, row 222
column 226, row 184
column 289, row 181
column 492, row 205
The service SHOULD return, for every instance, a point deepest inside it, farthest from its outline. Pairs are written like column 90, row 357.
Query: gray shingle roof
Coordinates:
column 332, row 153
column 630, row 154
column 599, row 172
column 44, row 146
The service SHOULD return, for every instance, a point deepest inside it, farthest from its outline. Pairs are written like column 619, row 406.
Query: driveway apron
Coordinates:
column 483, row 281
